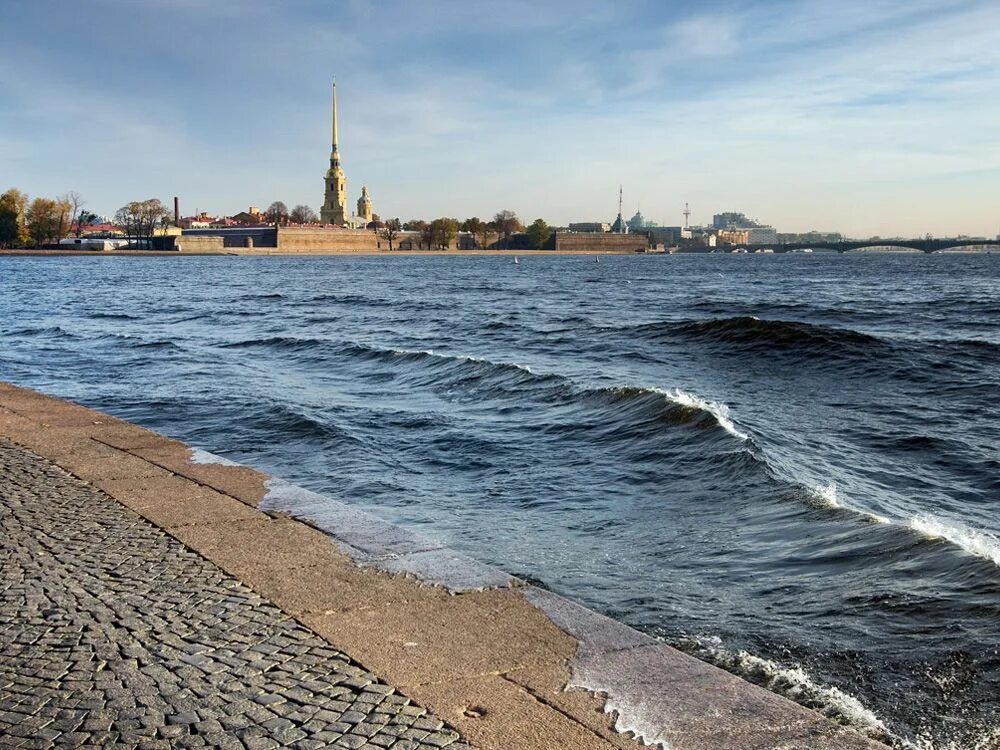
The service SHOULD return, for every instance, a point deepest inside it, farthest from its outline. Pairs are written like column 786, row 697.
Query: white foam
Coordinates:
column 198, row 456
column 827, row 496
column 795, row 683
column 718, row 410
column 980, row 543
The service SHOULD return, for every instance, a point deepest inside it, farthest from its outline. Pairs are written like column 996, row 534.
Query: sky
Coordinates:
column 877, row 117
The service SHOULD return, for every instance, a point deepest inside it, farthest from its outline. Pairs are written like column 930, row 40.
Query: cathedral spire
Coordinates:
column 333, row 152
column 334, row 209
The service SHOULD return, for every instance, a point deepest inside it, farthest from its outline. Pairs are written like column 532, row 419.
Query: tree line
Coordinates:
column 279, row 213
column 45, row 221
column 438, row 233
column 41, row 221
column 501, row 231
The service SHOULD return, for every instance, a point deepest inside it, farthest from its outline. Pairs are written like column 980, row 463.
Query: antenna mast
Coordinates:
column 687, row 215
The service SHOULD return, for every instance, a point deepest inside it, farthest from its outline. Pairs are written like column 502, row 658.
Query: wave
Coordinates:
column 260, row 296
column 982, row 544
column 791, row 681
column 485, row 376
column 288, row 421
column 827, row 496
column 56, row 331
column 748, row 330
column 275, row 342
column 689, row 404
column 113, row 316
column 349, row 299
column 718, row 410
column 979, row 543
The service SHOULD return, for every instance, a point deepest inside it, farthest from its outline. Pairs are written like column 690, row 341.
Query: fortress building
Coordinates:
column 334, row 209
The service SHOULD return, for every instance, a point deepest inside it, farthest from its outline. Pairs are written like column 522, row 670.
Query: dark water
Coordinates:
column 835, row 534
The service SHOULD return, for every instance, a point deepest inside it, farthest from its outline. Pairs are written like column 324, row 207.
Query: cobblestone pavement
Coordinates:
column 113, row 634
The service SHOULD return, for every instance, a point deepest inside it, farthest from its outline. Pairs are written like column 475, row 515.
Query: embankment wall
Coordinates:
column 611, row 243
column 322, row 240
column 199, row 244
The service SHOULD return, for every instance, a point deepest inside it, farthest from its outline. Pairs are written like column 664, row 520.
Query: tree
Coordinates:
column 474, row 226
column 302, row 215
column 426, row 234
column 390, row 231
column 507, row 223
column 13, row 205
column 43, row 217
column 140, row 219
column 489, row 230
column 76, row 212
column 277, row 213
column 64, row 206
column 538, row 234
column 443, row 231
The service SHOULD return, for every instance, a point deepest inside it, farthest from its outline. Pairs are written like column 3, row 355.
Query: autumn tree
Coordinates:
column 302, row 215
column 390, row 231
column 13, row 205
column 277, row 213
column 507, row 224
column 44, row 218
column 538, row 234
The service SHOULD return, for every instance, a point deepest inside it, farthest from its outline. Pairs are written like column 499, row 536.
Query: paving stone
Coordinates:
column 115, row 635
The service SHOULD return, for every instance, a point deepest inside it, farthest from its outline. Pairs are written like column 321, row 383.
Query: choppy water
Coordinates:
column 788, row 465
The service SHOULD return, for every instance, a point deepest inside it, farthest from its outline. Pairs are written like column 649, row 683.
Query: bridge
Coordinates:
column 921, row 245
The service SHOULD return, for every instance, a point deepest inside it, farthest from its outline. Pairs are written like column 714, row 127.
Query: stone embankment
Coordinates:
column 155, row 596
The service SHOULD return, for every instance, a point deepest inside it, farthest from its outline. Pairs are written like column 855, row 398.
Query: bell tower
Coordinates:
column 365, row 210
column 334, row 209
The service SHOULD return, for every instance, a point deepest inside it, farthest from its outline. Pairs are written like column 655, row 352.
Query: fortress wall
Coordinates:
column 322, row 240
column 581, row 241
column 199, row 243
column 235, row 237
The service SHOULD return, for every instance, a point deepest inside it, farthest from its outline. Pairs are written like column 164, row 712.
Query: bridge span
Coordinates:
column 921, row 245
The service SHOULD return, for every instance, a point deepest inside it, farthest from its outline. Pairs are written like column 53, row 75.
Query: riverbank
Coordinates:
column 505, row 664
column 262, row 251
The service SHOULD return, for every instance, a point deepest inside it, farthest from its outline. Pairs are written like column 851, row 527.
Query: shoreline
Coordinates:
column 509, row 665
column 264, row 252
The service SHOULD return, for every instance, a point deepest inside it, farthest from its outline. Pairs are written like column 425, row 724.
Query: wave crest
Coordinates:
column 979, row 543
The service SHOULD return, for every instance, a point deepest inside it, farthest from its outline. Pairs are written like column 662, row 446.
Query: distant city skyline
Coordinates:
column 875, row 118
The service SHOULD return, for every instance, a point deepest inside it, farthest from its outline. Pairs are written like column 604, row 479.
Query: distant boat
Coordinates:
column 597, row 259
column 516, row 261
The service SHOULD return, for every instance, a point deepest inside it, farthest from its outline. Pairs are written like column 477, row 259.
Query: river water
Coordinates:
column 786, row 465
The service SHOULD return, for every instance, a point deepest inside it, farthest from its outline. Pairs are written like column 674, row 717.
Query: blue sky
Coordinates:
column 869, row 117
